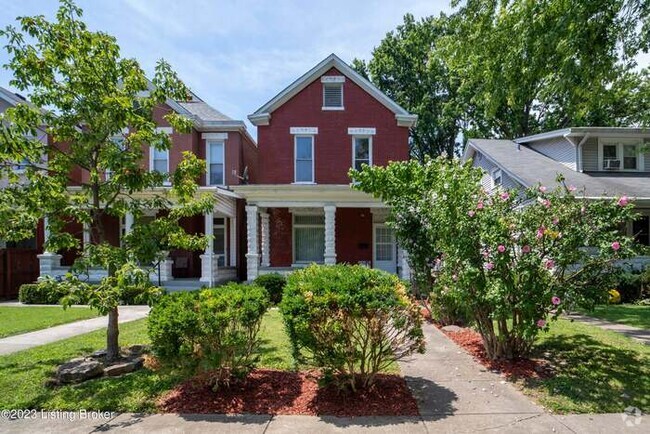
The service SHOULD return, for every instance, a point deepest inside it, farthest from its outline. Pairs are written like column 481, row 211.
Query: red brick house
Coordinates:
column 300, row 207
column 286, row 201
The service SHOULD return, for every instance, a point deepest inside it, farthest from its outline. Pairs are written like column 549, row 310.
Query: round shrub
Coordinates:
column 274, row 283
column 212, row 331
column 351, row 321
column 45, row 291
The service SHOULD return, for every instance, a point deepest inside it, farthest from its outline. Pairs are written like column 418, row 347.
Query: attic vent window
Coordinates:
column 332, row 92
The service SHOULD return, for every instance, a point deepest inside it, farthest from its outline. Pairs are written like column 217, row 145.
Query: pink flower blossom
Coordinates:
column 556, row 220
column 572, row 188
column 622, row 201
column 546, row 203
column 542, row 189
column 526, row 249
column 505, row 195
column 471, row 213
column 501, row 248
column 555, row 300
column 540, row 232
column 486, row 253
column 479, row 205
column 616, row 245
column 583, row 210
column 549, row 263
column 541, row 323
column 488, row 266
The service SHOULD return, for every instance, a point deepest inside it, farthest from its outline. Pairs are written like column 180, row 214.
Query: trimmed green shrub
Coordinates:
column 45, row 291
column 352, row 321
column 274, row 283
column 212, row 331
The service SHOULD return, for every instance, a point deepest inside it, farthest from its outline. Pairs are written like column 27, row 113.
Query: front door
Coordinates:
column 385, row 249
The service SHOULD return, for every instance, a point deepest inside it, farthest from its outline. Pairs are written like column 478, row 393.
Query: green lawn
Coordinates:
column 22, row 319
column 628, row 314
column 597, row 371
column 25, row 373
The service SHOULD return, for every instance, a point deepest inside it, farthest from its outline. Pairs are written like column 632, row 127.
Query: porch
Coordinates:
column 218, row 263
column 291, row 226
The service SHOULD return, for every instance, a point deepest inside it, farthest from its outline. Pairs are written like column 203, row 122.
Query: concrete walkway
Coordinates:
column 636, row 333
column 24, row 341
column 455, row 395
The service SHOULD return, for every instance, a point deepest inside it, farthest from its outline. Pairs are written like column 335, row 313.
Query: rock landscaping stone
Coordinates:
column 99, row 354
column 124, row 367
column 452, row 328
column 137, row 350
column 78, row 370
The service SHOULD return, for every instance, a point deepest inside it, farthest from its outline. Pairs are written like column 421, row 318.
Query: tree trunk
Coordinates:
column 112, row 336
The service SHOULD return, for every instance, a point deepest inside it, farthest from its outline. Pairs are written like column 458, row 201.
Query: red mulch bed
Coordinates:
column 267, row 391
column 471, row 341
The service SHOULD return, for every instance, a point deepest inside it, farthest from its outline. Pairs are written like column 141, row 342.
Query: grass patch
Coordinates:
column 628, row 314
column 25, row 373
column 21, row 319
column 597, row 371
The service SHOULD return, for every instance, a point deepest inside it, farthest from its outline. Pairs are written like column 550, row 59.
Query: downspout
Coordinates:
column 578, row 149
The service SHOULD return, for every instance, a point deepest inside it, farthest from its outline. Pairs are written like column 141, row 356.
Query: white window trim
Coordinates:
column 374, row 243
column 620, row 142
column 208, row 161
column 365, row 131
column 294, row 226
column 493, row 177
column 151, row 158
column 223, row 226
column 354, row 159
column 339, row 83
column 295, row 159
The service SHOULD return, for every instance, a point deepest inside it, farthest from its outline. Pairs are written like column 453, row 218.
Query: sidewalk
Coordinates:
column 12, row 344
column 455, row 395
column 636, row 333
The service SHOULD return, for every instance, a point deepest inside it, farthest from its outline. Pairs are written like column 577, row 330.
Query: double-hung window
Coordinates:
column 362, row 152
column 308, row 239
column 621, row 154
column 121, row 145
column 304, row 159
column 216, row 162
column 497, row 177
column 160, row 160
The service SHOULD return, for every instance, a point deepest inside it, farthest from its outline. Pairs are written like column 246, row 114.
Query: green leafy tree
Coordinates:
column 406, row 67
column 84, row 94
column 530, row 66
column 513, row 258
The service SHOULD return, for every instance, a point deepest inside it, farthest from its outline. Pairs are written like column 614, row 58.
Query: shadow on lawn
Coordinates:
column 595, row 376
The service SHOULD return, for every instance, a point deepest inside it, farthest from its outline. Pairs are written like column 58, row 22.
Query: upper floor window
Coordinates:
column 362, row 152
column 332, row 92
column 160, row 160
column 620, row 154
column 497, row 177
column 216, row 162
column 121, row 144
column 304, row 158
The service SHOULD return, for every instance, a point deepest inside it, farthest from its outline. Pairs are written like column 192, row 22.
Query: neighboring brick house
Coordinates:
column 301, row 207
column 605, row 162
column 229, row 152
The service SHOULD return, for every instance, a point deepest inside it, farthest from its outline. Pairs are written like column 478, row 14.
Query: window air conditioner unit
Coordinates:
column 612, row 164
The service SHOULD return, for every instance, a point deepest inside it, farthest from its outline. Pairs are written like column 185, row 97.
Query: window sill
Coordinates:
column 303, row 183
column 333, row 108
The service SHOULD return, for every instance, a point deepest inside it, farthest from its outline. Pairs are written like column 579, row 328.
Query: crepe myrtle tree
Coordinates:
column 97, row 110
column 515, row 259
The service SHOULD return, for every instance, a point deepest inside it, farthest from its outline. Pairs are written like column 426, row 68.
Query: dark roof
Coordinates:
column 530, row 167
column 204, row 111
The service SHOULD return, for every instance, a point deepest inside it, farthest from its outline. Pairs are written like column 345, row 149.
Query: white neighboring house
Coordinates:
column 605, row 162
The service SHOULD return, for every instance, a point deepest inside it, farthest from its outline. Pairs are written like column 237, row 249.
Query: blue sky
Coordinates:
column 237, row 54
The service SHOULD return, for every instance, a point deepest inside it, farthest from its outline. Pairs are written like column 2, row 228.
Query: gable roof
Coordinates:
column 581, row 131
column 529, row 167
column 263, row 114
column 11, row 98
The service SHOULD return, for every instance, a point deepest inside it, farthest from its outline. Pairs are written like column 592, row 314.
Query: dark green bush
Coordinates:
column 631, row 285
column 46, row 291
column 274, row 283
column 212, row 331
column 351, row 321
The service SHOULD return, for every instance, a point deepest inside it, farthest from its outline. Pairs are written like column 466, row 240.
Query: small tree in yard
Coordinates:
column 85, row 95
column 514, row 259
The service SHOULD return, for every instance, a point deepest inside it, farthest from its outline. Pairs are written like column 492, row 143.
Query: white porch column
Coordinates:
column 404, row 264
column 49, row 262
column 266, row 240
column 128, row 222
column 252, row 255
column 208, row 262
column 234, row 245
column 330, row 234
column 86, row 235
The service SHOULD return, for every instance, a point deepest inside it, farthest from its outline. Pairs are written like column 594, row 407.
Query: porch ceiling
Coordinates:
column 311, row 195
